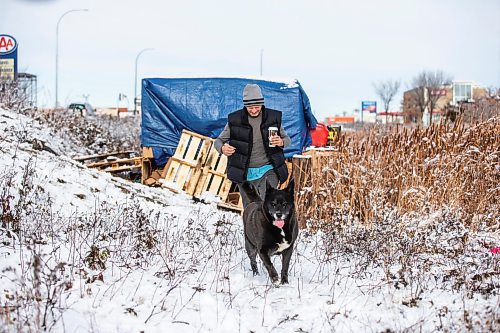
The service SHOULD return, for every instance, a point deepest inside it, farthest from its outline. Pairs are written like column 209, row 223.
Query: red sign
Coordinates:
column 438, row 92
column 340, row 120
column 7, row 44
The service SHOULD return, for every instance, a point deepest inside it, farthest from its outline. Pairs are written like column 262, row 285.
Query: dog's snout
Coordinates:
column 279, row 215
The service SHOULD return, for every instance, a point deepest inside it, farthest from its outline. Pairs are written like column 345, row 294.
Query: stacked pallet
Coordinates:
column 197, row 169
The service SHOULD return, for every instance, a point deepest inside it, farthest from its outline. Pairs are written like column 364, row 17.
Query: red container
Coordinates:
column 319, row 135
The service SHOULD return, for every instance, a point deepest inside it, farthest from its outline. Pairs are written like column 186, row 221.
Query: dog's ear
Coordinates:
column 291, row 186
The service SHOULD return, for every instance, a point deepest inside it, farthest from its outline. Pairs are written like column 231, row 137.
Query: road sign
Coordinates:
column 8, row 58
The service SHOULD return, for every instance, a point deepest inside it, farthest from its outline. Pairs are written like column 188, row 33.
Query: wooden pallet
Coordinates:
column 184, row 168
column 149, row 176
column 195, row 168
column 214, row 179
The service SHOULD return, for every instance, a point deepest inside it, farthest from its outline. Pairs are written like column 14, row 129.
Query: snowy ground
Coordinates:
column 82, row 251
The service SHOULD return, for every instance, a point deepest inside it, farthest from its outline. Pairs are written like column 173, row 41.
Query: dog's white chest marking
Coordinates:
column 283, row 245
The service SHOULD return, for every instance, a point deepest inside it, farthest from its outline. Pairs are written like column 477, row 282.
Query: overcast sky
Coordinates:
column 336, row 49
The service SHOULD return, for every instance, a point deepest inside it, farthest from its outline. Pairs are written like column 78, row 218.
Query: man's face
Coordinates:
column 254, row 110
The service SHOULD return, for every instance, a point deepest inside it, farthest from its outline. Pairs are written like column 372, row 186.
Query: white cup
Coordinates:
column 272, row 131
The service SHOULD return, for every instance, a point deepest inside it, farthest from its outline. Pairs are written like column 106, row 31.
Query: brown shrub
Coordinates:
column 412, row 170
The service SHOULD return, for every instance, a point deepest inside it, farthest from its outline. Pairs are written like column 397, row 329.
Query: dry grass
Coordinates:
column 413, row 170
column 93, row 134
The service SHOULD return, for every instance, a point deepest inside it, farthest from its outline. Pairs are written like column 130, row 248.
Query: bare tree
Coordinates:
column 418, row 84
column 427, row 86
column 436, row 81
column 493, row 91
column 386, row 90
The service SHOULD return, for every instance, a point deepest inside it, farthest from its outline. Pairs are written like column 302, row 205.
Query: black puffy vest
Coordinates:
column 241, row 137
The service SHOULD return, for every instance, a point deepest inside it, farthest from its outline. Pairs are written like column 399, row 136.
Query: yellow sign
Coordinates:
column 6, row 69
column 333, row 134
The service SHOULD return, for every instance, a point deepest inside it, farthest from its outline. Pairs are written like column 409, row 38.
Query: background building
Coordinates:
column 452, row 94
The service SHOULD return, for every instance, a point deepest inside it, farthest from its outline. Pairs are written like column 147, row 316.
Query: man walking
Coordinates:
column 253, row 140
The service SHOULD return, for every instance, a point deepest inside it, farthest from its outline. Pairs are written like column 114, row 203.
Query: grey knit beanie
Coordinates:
column 252, row 95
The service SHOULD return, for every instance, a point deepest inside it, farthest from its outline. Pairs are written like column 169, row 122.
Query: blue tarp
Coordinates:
column 201, row 105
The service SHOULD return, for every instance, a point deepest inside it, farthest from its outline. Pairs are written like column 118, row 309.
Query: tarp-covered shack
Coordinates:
column 201, row 105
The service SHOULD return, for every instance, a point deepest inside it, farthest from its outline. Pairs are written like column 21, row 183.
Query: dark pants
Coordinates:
column 260, row 186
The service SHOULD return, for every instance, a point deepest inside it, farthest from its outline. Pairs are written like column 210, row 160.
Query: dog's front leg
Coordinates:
column 264, row 256
column 285, row 262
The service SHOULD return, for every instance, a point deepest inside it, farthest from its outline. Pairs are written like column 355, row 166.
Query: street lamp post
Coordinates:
column 57, row 50
column 135, row 79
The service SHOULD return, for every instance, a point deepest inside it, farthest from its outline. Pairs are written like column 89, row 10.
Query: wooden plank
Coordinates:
column 201, row 182
column 215, row 185
column 222, row 165
column 121, row 168
column 220, row 168
column 184, row 169
column 181, row 146
column 172, row 168
column 101, row 156
column 166, row 168
column 147, row 152
column 172, row 171
column 230, row 207
column 197, row 172
column 210, row 166
column 135, row 161
column 194, row 146
column 153, row 177
column 146, row 170
column 226, row 186
column 220, row 174
column 185, row 162
column 118, row 165
column 233, row 202
column 205, row 179
column 190, row 185
column 212, row 157
column 197, row 135
column 171, row 188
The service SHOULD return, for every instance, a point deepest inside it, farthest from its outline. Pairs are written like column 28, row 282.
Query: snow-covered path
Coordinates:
column 95, row 253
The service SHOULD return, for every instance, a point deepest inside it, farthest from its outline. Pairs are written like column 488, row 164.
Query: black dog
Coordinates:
column 270, row 228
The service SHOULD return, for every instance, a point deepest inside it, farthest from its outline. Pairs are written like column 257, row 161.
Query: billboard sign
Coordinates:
column 8, row 57
column 370, row 106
